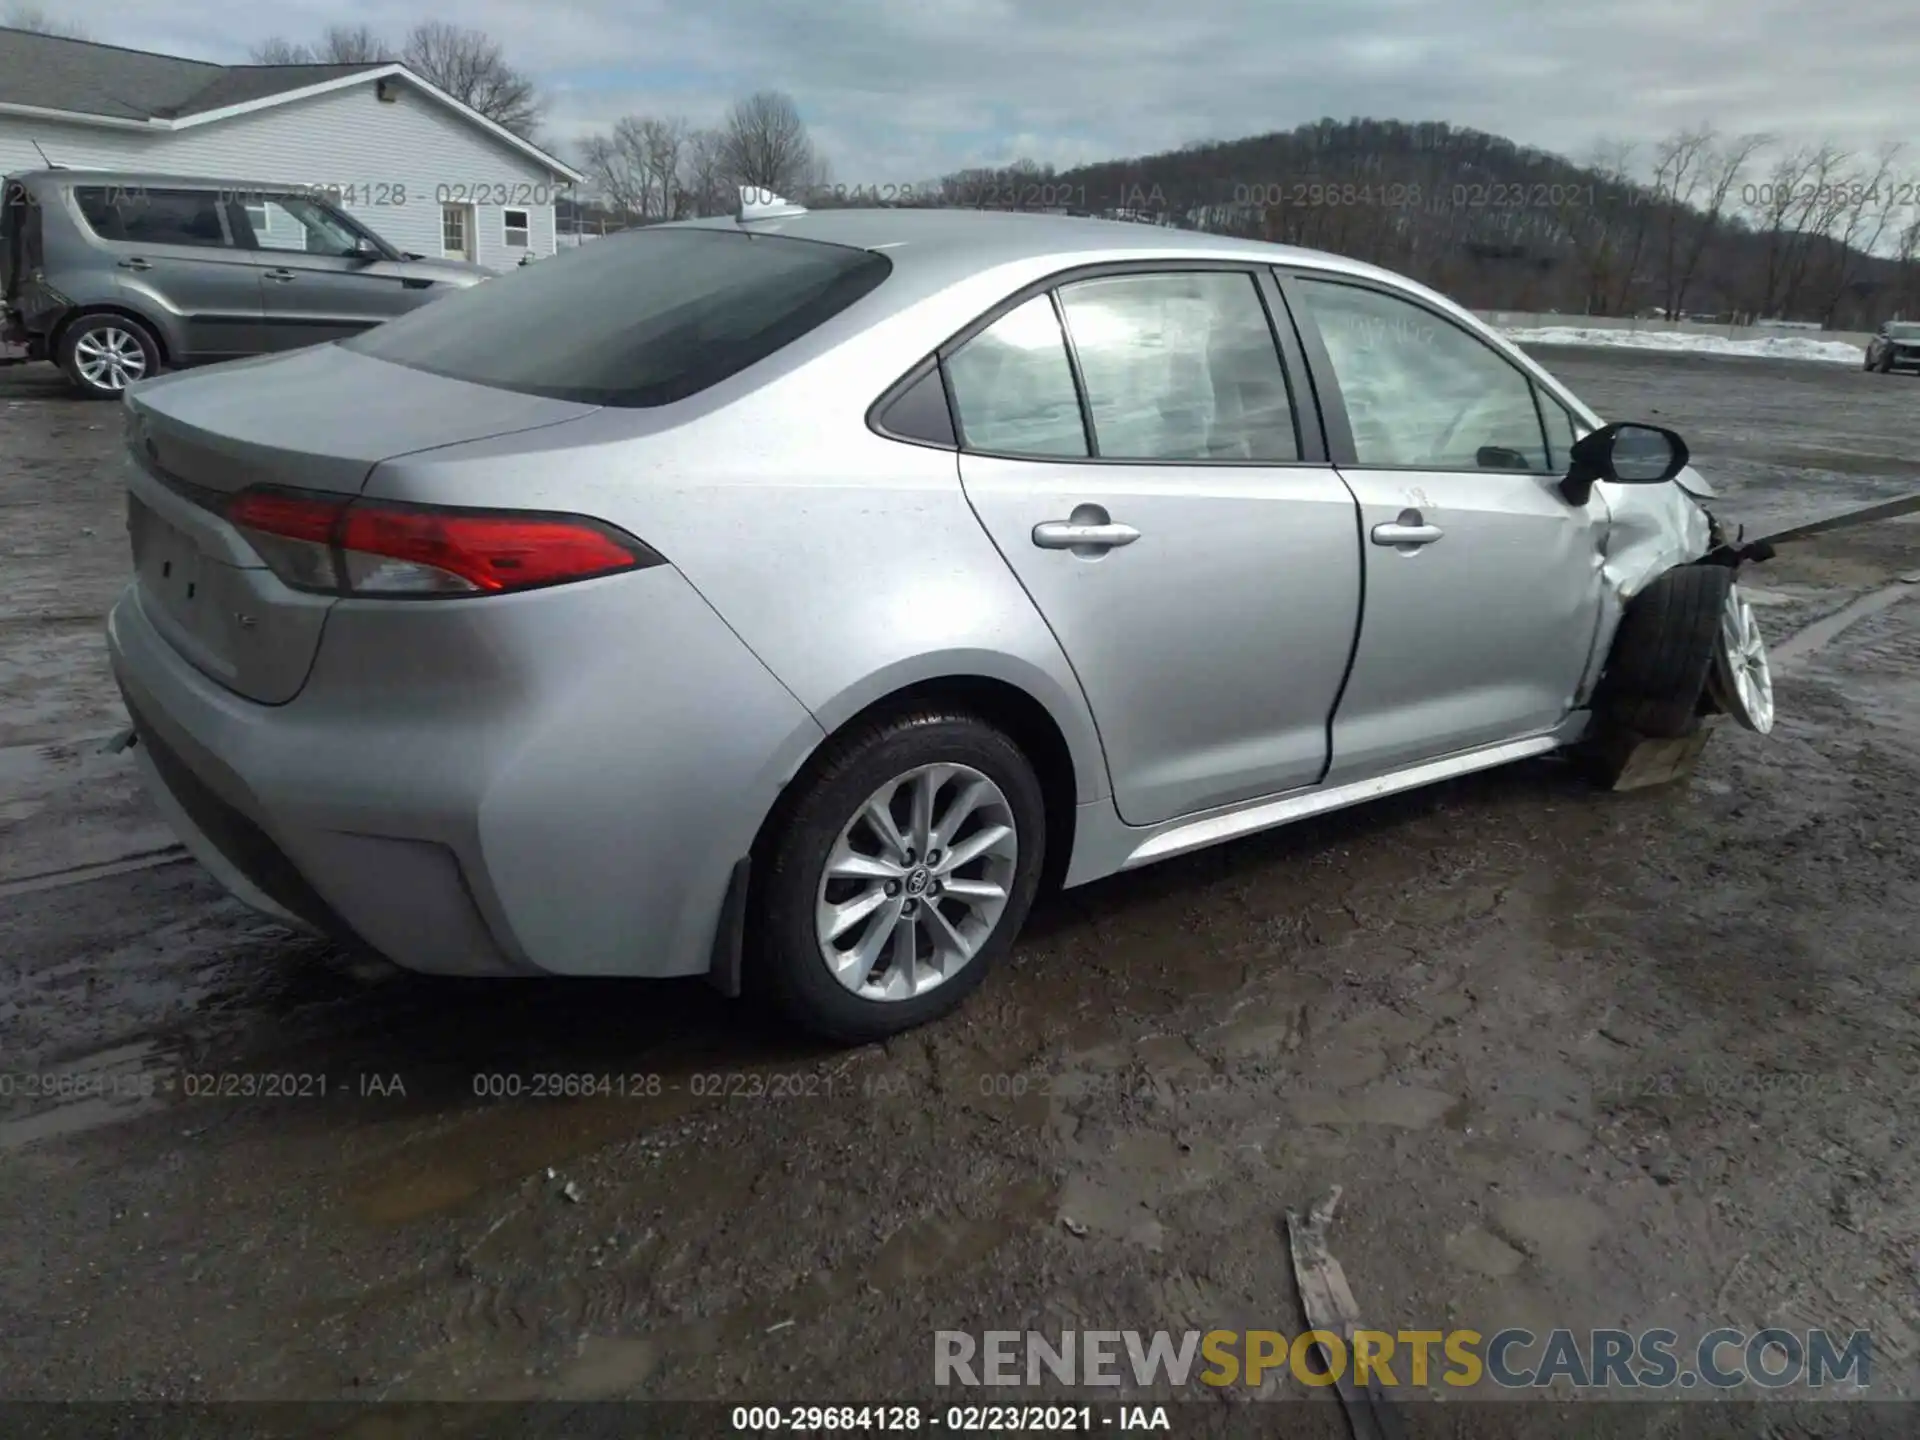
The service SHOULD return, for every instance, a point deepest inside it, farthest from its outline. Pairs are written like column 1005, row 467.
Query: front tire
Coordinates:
column 1657, row 671
column 103, row 354
column 898, row 873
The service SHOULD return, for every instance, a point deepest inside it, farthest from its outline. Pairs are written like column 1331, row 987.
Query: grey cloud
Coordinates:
column 903, row 89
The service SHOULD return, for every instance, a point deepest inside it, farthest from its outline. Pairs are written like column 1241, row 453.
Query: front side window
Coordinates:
column 293, row 223
column 1013, row 386
column 1180, row 367
column 637, row 319
column 1420, row 392
column 139, row 216
column 1562, row 431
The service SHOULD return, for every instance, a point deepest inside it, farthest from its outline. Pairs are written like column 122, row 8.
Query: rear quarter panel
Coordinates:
column 850, row 564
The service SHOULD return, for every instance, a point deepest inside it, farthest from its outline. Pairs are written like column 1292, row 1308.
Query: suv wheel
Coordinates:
column 103, row 354
column 902, row 870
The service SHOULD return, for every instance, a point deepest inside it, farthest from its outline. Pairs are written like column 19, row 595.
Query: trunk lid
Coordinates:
column 317, row 419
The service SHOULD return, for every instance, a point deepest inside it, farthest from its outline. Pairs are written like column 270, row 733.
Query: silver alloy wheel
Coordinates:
column 916, row 882
column 1742, row 678
column 110, row 357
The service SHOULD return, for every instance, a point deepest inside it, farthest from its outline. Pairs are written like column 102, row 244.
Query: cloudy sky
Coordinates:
column 897, row 91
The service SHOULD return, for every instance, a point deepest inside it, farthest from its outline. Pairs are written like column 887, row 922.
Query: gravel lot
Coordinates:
column 1578, row 1059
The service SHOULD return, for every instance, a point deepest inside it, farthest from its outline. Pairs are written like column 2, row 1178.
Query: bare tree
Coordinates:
column 1813, row 215
column 765, row 143
column 1868, row 203
column 1773, row 210
column 639, row 167
column 277, row 50
column 706, row 174
column 36, row 19
column 1907, row 281
column 1721, row 169
column 340, row 45
column 1679, row 165
column 469, row 66
column 1615, row 226
column 663, row 150
column 613, row 170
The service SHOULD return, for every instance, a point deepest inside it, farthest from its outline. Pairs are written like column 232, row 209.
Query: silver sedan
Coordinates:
column 785, row 597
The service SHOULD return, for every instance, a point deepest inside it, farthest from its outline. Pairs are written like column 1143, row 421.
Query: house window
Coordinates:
column 262, row 221
column 516, row 228
column 453, row 232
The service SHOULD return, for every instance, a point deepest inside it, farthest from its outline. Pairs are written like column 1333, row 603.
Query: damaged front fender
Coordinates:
column 1650, row 529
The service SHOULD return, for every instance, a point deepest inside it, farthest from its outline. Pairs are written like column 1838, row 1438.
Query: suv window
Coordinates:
column 289, row 222
column 1013, row 386
column 1422, row 393
column 634, row 320
column 140, row 216
column 1180, row 367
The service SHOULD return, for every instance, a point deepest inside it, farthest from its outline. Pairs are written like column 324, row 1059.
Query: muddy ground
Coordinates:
column 1576, row 1058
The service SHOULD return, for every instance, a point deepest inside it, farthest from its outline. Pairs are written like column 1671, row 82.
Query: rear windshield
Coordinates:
column 639, row 319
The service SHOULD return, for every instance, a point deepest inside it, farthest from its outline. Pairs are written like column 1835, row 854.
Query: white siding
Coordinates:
column 345, row 138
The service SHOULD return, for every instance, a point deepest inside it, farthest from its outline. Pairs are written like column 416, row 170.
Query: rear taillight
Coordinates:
column 339, row 546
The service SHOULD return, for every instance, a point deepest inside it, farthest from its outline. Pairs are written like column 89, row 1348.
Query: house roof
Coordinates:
column 56, row 73
column 113, row 85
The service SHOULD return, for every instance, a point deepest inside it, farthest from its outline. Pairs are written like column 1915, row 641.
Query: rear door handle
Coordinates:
column 1070, row 535
column 281, row 275
column 136, row 263
column 1406, row 534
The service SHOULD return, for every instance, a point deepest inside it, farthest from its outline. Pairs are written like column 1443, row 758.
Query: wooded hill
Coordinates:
column 1722, row 228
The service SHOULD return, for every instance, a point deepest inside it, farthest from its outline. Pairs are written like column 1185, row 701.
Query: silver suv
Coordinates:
column 114, row 275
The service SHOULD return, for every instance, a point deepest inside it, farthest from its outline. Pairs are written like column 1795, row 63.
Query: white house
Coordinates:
column 426, row 172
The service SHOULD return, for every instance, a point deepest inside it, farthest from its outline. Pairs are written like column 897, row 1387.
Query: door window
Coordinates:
column 139, row 216
column 292, row 223
column 1562, row 431
column 1013, row 386
column 1180, row 367
column 453, row 231
column 1422, row 393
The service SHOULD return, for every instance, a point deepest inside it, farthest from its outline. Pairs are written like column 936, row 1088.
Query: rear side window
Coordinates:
column 153, row 217
column 1013, row 386
column 634, row 320
column 1180, row 367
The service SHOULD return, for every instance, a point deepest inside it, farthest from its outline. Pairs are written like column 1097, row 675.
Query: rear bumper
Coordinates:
column 578, row 810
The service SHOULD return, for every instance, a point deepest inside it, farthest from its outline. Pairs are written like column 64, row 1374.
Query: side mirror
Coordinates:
column 365, row 251
column 1623, row 455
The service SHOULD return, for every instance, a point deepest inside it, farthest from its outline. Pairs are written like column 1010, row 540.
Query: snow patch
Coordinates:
column 1780, row 347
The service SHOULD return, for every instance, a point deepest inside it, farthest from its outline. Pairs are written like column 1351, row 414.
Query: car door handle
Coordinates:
column 281, row 275
column 136, row 263
column 1070, row 535
column 1401, row 533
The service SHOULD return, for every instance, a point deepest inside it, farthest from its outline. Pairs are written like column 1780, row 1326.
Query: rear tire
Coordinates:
column 103, row 354
column 1657, row 672
column 927, row 931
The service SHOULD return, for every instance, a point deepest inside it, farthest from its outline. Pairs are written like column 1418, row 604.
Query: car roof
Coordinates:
column 955, row 240
column 82, row 175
